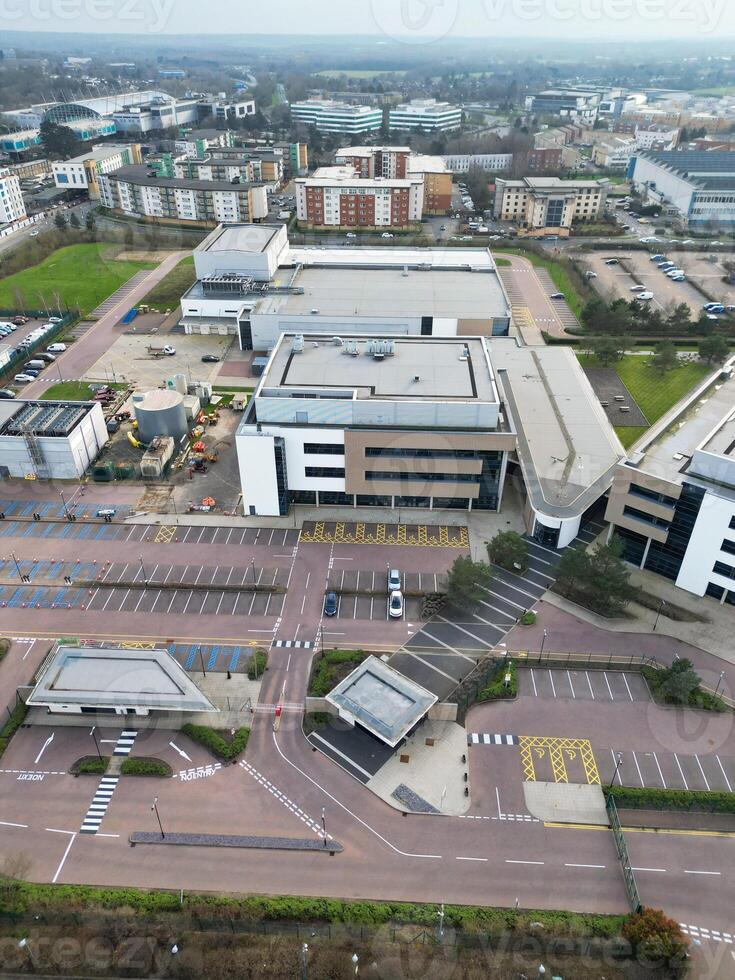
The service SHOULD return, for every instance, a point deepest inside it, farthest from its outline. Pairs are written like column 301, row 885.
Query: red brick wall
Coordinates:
column 356, row 209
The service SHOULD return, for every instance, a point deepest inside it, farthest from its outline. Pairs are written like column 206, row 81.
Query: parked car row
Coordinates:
column 395, row 597
column 31, row 369
column 669, row 267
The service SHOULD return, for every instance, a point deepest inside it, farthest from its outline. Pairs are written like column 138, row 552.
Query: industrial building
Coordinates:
column 462, row 163
column 543, row 205
column 12, row 205
column 697, row 186
column 137, row 192
column 426, row 422
column 673, row 501
column 52, row 440
column 337, row 117
column 82, row 172
column 252, row 282
column 425, row 114
column 581, row 106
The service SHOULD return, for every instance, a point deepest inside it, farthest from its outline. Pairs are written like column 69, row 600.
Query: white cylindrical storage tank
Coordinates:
column 161, row 413
column 180, row 384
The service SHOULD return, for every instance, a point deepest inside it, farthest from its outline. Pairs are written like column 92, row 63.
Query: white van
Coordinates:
column 56, row 348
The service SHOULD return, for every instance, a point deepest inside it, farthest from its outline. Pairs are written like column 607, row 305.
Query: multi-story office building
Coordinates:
column 425, row 114
column 673, row 501
column 426, row 422
column 543, row 205
column 339, row 197
column 225, row 109
column 337, row 117
column 462, row 163
column 12, row 205
column 135, row 191
column 699, row 187
column 580, row 106
column 82, row 172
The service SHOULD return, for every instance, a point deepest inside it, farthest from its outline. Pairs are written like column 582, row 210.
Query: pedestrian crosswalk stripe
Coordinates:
column 295, row 644
column 483, row 738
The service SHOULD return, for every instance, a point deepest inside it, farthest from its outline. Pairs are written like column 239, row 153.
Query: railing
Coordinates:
column 622, row 849
column 598, row 661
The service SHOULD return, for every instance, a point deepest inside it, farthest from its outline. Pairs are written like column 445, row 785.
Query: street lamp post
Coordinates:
column 63, row 504
column 722, row 677
column 201, row 660
column 617, row 769
column 356, row 963
column 440, row 913
column 304, row 957
column 658, row 613
column 543, row 643
column 96, row 743
column 154, row 807
column 324, row 826
column 142, row 568
column 17, row 566
column 252, row 566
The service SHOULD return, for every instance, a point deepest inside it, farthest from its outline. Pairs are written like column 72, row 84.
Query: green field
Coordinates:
column 73, row 391
column 167, row 293
column 77, row 276
column 654, row 393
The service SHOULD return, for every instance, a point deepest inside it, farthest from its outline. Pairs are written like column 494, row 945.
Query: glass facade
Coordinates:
column 279, row 451
column 374, row 500
column 664, row 558
column 335, row 498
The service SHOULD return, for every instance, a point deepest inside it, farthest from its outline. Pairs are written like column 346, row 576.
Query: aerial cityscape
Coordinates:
column 367, row 490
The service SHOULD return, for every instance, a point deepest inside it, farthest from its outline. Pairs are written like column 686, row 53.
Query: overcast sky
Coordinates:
column 411, row 21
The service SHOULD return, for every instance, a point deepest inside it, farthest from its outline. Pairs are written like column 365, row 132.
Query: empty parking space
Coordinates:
column 352, row 606
column 667, row 770
column 583, row 685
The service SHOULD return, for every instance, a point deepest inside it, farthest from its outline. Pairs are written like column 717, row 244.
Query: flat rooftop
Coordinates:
column 41, row 418
column 381, row 700
column 567, row 447
column 114, row 678
column 139, row 175
column 703, row 425
column 238, row 237
column 99, row 153
column 448, row 369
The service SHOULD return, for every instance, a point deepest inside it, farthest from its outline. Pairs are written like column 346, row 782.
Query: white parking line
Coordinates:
column 191, row 593
column 160, row 593
column 270, row 538
column 553, row 688
column 596, row 866
column 661, row 775
column 627, row 687
column 188, row 530
column 640, row 776
column 729, row 787
column 468, row 632
column 470, row 859
column 201, row 569
column 589, row 682
column 173, row 596
column 681, row 771
column 227, row 539
column 706, row 781
column 533, row 681
column 716, row 873
column 130, row 532
column 510, row 602
column 216, row 612
column 139, row 600
column 607, row 681
column 200, row 535
column 171, row 568
column 237, row 599
column 123, row 602
column 509, row 861
column 571, row 686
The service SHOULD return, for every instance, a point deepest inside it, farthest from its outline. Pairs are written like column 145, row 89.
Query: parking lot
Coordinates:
column 668, row 770
column 584, row 685
column 374, row 607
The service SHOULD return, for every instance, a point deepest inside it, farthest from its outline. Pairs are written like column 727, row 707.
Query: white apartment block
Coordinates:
column 82, row 172
column 462, row 163
column 427, row 114
column 337, row 117
column 222, row 109
column 12, row 206
column 539, row 205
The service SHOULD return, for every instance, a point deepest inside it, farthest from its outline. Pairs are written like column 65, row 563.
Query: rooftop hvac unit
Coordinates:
column 297, row 344
column 378, row 357
column 337, row 341
column 350, row 347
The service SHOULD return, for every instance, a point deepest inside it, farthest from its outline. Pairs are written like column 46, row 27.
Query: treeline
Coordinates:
column 625, row 319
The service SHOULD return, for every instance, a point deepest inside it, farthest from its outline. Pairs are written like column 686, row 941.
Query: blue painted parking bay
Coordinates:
column 217, row 657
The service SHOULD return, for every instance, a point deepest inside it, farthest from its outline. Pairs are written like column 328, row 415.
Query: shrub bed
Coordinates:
column 697, row 699
column 497, row 689
column 90, row 765
column 11, row 726
column 257, row 664
column 4, row 647
column 219, row 743
column 649, row 798
column 332, row 667
column 145, row 767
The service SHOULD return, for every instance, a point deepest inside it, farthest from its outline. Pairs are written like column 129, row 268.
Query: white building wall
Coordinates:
column 711, row 528
column 12, row 206
column 67, row 458
column 258, row 203
column 257, row 465
column 677, row 191
column 297, row 459
column 267, row 327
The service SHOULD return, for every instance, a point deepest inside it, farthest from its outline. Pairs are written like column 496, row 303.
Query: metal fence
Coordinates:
column 48, row 338
column 599, row 661
column 622, row 849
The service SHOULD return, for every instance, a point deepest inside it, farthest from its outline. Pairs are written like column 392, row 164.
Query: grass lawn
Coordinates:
column 655, row 393
column 502, row 262
column 80, row 275
column 167, row 293
column 73, row 391
column 557, row 272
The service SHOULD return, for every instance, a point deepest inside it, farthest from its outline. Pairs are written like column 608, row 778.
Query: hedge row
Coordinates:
column 11, row 726
column 330, row 668
column 497, row 689
column 145, row 767
column 257, row 664
column 224, row 749
column 90, row 765
column 27, row 897
column 697, row 699
column 648, row 798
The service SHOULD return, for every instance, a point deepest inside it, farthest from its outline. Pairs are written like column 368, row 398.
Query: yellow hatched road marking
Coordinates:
column 165, row 534
column 421, row 535
column 560, row 751
column 137, row 645
column 360, row 533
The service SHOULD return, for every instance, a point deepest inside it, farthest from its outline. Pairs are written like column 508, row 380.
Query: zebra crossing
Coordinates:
column 124, row 743
column 483, row 738
column 294, row 644
column 98, row 806
column 107, row 786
